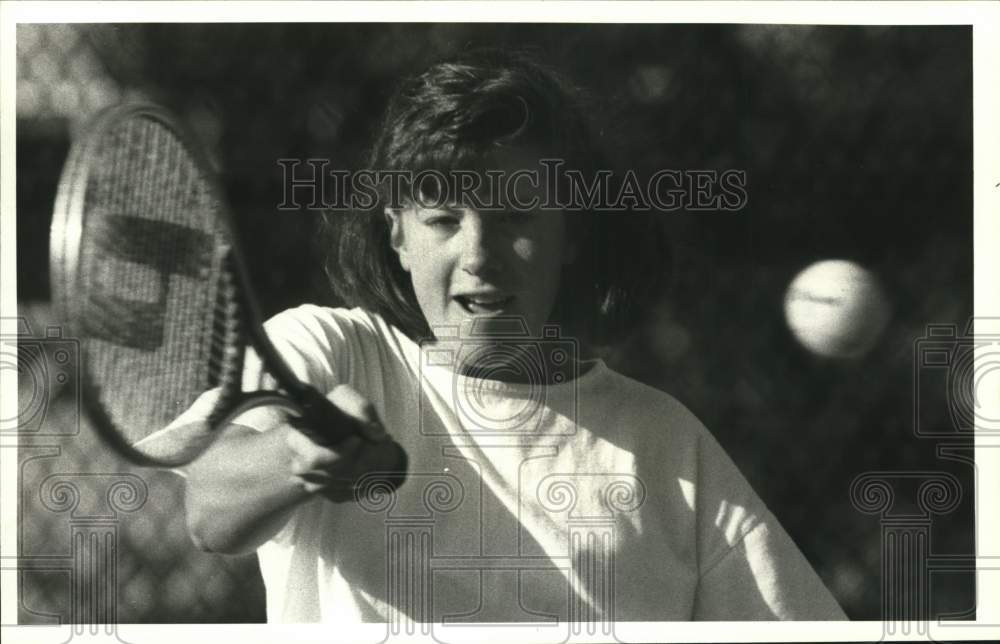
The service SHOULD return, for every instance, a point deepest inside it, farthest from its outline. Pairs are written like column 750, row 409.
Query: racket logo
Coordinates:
column 131, row 277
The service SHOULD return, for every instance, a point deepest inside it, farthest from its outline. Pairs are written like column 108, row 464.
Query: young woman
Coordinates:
column 542, row 485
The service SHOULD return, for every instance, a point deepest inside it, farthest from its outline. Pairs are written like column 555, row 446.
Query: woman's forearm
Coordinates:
column 240, row 492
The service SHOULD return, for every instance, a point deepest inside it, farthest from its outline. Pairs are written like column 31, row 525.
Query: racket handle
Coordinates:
column 327, row 425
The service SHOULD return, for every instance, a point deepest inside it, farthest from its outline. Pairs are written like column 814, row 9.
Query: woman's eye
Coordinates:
column 442, row 221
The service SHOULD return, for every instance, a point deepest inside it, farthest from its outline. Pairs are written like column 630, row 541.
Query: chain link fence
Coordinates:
column 74, row 489
column 856, row 142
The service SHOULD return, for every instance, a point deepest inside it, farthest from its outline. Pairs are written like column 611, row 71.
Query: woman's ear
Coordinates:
column 396, row 239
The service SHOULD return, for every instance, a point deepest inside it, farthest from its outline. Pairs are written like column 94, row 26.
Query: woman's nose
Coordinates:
column 477, row 240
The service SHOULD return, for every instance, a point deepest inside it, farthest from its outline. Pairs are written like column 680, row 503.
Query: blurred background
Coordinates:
column 857, row 144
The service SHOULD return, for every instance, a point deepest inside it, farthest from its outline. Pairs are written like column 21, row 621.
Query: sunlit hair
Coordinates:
column 453, row 116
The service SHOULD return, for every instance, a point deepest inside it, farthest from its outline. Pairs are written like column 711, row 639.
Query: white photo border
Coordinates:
column 984, row 17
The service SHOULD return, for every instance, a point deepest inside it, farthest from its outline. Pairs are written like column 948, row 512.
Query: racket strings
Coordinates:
column 161, row 312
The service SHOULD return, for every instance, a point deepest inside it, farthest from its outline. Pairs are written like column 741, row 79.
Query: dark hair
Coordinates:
column 452, row 116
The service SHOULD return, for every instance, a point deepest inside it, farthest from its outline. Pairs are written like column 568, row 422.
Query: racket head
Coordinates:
column 145, row 273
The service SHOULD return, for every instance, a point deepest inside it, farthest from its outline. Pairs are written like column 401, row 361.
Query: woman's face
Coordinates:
column 467, row 264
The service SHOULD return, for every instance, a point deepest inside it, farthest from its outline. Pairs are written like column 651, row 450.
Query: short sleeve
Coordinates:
column 763, row 577
column 312, row 347
column 313, row 342
column 749, row 568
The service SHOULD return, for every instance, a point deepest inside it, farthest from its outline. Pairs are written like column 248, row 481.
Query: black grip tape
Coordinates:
column 327, row 425
column 322, row 421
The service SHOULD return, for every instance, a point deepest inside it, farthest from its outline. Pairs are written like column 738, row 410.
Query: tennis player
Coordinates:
column 542, row 485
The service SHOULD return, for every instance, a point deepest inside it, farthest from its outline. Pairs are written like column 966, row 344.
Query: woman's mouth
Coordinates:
column 484, row 304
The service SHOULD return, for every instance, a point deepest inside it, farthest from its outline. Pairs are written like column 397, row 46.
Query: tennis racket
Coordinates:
column 149, row 274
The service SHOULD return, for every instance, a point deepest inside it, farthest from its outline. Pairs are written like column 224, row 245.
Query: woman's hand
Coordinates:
column 334, row 471
column 243, row 489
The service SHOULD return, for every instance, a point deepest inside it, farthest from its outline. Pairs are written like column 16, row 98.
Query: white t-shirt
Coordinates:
column 596, row 499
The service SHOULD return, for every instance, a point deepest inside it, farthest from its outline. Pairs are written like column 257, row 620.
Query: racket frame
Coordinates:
column 65, row 237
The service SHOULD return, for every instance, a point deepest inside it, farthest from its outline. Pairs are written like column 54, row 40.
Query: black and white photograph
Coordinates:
column 545, row 323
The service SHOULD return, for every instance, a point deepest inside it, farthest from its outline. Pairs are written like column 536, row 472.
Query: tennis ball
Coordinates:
column 836, row 308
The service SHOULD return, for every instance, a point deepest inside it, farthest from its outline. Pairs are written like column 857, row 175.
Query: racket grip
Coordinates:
column 327, row 425
column 322, row 421
column 396, row 477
